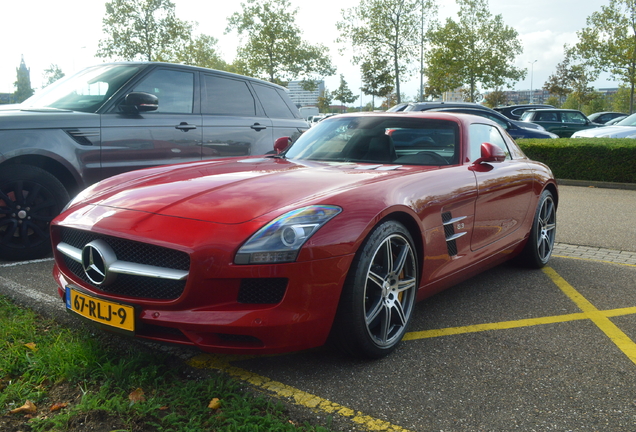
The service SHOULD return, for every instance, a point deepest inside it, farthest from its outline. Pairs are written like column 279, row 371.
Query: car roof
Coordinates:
column 553, row 109
column 194, row 68
column 419, row 106
column 462, row 118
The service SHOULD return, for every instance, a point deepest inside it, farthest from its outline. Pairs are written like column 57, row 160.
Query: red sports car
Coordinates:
column 336, row 237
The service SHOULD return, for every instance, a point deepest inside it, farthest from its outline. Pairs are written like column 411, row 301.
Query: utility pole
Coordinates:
column 531, row 77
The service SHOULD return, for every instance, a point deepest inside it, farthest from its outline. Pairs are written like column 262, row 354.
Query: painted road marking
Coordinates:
column 589, row 312
column 616, row 335
column 222, row 363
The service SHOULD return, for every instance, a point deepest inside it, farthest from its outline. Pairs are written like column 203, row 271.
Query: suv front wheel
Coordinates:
column 30, row 198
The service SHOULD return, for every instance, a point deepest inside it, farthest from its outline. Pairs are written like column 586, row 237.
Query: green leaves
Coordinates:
column 608, row 43
column 273, row 48
column 149, row 30
column 477, row 49
column 393, row 30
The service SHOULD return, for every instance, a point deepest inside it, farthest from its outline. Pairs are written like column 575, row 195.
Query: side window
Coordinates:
column 226, row 96
column 481, row 133
column 273, row 103
column 174, row 89
column 549, row 116
column 573, row 117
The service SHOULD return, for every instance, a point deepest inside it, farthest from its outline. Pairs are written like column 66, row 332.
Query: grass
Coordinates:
column 126, row 388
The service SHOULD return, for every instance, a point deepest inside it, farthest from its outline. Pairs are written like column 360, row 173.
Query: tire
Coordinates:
column 29, row 200
column 379, row 295
column 538, row 250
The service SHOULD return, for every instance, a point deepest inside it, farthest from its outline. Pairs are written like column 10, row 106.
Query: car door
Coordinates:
column 171, row 134
column 504, row 190
column 550, row 120
column 285, row 117
column 573, row 121
column 234, row 124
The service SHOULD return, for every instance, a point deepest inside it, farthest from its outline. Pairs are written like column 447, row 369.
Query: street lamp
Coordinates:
column 531, row 77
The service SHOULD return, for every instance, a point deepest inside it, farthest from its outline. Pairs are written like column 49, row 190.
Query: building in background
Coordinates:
column 302, row 97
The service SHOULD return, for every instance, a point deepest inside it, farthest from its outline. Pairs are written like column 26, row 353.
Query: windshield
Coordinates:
column 86, row 91
column 380, row 139
column 628, row 121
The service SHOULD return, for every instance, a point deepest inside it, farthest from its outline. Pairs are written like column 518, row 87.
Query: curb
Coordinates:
column 596, row 184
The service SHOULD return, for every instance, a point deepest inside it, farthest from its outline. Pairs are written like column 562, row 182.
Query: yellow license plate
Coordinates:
column 102, row 311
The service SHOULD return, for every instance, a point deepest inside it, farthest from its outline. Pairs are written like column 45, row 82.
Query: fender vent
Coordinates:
column 84, row 137
column 449, row 232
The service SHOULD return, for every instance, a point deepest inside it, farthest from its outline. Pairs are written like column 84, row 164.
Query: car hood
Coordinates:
column 235, row 191
column 607, row 132
column 14, row 117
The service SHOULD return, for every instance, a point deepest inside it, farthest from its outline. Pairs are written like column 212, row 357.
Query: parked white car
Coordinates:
column 625, row 128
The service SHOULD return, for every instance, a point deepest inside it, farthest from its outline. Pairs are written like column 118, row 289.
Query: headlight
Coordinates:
column 280, row 240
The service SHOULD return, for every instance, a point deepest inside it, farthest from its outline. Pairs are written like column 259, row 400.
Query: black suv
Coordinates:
column 440, row 105
column 119, row 117
column 514, row 112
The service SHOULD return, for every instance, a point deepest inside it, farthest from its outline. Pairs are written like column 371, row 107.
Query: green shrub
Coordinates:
column 592, row 159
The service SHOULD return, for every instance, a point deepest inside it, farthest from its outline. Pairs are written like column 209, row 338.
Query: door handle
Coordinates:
column 184, row 126
column 258, row 127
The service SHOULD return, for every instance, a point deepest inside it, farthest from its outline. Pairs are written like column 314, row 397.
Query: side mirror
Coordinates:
column 281, row 144
column 137, row 102
column 490, row 153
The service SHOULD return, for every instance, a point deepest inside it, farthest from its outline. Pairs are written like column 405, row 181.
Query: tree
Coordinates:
column 608, row 43
column 52, row 74
column 476, row 49
column 559, row 83
column 143, row 29
column 274, row 49
column 23, row 83
column 377, row 79
column 201, row 52
column 621, row 99
column 324, row 101
column 572, row 81
column 554, row 101
column 343, row 93
column 495, row 98
column 388, row 28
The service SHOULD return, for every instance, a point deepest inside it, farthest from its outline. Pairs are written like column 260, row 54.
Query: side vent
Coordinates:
column 84, row 137
column 449, row 232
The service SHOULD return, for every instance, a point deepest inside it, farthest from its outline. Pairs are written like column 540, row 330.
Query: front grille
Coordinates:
column 136, row 252
column 262, row 290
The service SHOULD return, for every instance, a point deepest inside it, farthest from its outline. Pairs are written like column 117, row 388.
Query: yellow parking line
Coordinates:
column 622, row 341
column 598, row 317
column 222, row 363
column 494, row 326
column 424, row 334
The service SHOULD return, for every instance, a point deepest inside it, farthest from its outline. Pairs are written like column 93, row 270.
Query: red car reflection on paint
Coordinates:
column 336, row 237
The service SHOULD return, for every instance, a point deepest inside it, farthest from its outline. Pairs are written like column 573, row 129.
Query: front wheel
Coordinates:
column 379, row 295
column 538, row 249
column 29, row 200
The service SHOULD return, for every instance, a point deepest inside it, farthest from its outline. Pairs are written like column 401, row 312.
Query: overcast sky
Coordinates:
column 66, row 33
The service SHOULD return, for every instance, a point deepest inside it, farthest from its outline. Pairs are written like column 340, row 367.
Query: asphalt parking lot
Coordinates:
column 511, row 349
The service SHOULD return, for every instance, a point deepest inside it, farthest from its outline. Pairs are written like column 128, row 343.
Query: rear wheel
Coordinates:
column 379, row 296
column 29, row 200
column 538, row 249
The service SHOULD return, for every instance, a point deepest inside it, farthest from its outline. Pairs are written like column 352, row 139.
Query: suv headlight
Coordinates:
column 280, row 240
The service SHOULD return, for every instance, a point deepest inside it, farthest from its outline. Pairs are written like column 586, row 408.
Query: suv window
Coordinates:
column 273, row 104
column 573, row 117
column 483, row 133
column 227, row 96
column 174, row 89
column 547, row 116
